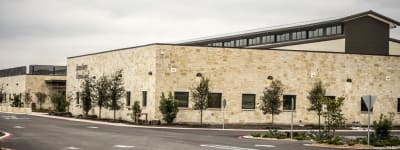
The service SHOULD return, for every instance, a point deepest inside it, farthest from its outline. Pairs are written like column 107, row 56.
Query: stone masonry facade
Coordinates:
column 167, row 68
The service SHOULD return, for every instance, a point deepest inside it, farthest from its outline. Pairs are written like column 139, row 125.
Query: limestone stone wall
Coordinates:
column 237, row 71
column 29, row 84
column 138, row 65
column 169, row 68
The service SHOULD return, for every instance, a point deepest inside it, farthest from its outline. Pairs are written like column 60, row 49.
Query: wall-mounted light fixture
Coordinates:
column 270, row 77
column 349, row 80
column 150, row 73
column 198, row 74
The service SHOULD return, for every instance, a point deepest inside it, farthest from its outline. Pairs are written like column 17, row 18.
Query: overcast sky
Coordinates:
column 48, row 31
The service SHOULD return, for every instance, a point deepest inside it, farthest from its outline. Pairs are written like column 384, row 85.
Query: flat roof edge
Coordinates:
column 119, row 49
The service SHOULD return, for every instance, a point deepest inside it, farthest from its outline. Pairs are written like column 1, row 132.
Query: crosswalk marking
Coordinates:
column 226, row 147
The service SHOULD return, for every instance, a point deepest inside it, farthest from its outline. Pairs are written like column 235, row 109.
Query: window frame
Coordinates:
column 128, row 98
column 254, row 100
column 398, row 105
column 77, row 97
column 284, row 101
column 144, row 98
column 364, row 107
column 179, row 101
column 211, row 97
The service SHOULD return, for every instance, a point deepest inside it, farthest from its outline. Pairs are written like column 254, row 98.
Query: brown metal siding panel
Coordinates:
column 367, row 35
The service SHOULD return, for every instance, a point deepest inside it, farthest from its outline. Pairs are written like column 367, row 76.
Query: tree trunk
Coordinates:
column 272, row 125
column 114, row 114
column 319, row 121
column 100, row 113
column 201, row 117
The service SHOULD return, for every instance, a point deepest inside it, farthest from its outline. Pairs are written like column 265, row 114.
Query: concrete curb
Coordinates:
column 5, row 136
column 171, row 128
column 346, row 147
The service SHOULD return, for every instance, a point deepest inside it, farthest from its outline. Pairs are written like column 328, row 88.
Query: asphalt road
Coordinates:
column 40, row 133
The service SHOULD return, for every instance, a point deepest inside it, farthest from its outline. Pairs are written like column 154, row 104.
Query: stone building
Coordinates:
column 25, row 83
column 353, row 56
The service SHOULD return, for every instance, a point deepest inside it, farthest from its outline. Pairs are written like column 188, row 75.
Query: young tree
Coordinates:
column 59, row 101
column 16, row 100
column 28, row 99
column 334, row 114
column 87, row 94
column 316, row 96
column 168, row 107
column 271, row 99
column 200, row 95
column 136, row 110
column 102, row 87
column 41, row 98
column 117, row 91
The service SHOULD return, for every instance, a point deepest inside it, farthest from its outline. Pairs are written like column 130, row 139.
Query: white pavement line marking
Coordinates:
column 71, row 147
column 12, row 118
column 19, row 127
column 123, row 146
column 92, row 127
column 264, row 146
column 226, row 147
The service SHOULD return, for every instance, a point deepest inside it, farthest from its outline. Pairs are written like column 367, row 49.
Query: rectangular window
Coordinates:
column 144, row 98
column 334, row 30
column 398, row 104
column 303, row 35
column 214, row 100
column 183, row 98
column 287, row 102
column 328, row 30
column 310, row 34
column 331, row 97
column 320, row 32
column 339, row 29
column 248, row 101
column 364, row 106
column 128, row 98
column 77, row 97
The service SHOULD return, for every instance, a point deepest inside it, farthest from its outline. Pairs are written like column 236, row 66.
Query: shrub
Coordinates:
column 336, row 140
column 351, row 143
column 168, row 107
column 382, row 127
column 321, row 137
column 59, row 101
column 255, row 134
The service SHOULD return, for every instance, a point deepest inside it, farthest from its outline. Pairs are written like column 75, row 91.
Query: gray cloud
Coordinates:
column 48, row 31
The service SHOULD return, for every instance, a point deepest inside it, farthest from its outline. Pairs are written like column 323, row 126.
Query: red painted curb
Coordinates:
column 6, row 136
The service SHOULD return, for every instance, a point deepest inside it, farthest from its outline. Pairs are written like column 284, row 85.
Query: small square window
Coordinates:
column 248, row 101
column 214, row 100
column 183, row 98
column 287, row 102
column 364, row 106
